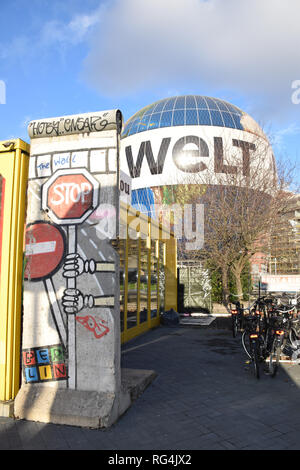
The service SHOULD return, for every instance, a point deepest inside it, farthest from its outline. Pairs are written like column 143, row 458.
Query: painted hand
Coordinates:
column 73, row 266
column 72, row 301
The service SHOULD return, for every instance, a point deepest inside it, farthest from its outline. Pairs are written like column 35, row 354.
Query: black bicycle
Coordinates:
column 252, row 342
column 237, row 317
column 285, row 329
column 278, row 333
column 257, row 337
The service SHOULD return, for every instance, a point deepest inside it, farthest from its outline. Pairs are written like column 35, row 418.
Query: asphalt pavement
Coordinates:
column 204, row 397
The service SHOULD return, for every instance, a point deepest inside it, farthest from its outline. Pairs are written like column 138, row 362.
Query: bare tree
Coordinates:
column 244, row 193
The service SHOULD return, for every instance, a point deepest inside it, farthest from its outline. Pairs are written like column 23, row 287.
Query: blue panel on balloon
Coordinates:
column 143, row 201
column 187, row 110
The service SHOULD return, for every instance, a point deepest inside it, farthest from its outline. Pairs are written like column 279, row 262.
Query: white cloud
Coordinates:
column 73, row 32
column 278, row 138
column 250, row 46
column 51, row 34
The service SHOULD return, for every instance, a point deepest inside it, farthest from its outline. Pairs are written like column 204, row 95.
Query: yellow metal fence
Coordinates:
column 14, row 161
column 148, row 272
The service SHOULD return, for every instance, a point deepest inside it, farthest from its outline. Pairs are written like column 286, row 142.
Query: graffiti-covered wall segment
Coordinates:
column 71, row 332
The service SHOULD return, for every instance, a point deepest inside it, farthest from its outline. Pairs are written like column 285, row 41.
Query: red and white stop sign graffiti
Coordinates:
column 70, row 196
column 44, row 250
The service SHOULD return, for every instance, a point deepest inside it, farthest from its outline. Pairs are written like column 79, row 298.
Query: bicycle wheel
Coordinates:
column 246, row 343
column 234, row 323
column 294, row 338
column 255, row 361
column 274, row 360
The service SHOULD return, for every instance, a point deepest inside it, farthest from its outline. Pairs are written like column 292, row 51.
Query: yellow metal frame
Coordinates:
column 153, row 231
column 14, row 162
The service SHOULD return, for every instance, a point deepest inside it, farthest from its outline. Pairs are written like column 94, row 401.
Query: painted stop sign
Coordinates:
column 44, row 250
column 70, row 196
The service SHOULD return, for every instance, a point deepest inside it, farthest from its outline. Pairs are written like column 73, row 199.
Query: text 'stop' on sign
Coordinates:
column 70, row 196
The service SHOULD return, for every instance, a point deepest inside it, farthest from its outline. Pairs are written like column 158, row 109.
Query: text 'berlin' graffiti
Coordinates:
column 43, row 364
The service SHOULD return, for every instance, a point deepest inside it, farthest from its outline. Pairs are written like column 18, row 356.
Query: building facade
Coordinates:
column 284, row 255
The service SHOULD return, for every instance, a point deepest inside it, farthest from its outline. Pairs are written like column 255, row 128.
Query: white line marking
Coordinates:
column 94, row 244
column 40, row 248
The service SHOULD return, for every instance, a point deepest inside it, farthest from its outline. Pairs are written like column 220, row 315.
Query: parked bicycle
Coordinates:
column 251, row 341
column 237, row 317
column 270, row 328
column 284, row 325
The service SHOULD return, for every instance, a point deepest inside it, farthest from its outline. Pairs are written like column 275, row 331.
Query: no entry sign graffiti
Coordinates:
column 44, row 250
column 70, row 196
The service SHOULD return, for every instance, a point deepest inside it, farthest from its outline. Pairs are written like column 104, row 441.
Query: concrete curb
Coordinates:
column 79, row 408
column 7, row 409
column 136, row 381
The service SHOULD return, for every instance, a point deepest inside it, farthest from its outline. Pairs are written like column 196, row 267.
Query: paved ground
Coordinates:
column 204, row 397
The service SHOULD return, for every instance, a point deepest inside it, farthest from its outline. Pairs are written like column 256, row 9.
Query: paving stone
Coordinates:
column 202, row 398
column 283, row 428
column 228, row 445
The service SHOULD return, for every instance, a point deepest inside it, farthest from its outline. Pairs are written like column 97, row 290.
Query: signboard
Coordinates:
column 280, row 282
column 191, row 154
column 70, row 196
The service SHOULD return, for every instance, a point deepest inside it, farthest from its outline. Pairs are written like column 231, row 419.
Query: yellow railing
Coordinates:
column 14, row 161
column 145, row 239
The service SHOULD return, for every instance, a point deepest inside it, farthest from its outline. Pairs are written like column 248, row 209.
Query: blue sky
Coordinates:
column 67, row 57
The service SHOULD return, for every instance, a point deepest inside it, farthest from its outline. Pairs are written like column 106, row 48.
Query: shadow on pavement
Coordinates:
column 204, row 397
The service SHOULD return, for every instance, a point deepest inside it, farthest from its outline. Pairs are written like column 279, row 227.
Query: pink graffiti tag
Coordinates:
column 99, row 329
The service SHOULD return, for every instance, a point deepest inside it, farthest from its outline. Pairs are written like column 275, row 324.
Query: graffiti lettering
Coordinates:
column 63, row 126
column 60, row 161
column 44, row 363
column 87, row 124
column 99, row 328
column 43, row 166
column 48, row 128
